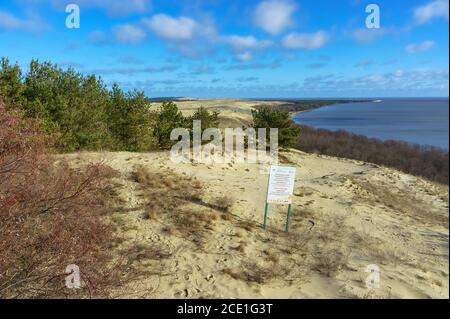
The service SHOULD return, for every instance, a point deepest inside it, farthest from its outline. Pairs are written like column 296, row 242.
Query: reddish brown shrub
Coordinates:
column 50, row 217
column 426, row 161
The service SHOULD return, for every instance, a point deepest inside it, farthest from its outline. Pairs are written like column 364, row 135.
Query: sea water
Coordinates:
column 421, row 121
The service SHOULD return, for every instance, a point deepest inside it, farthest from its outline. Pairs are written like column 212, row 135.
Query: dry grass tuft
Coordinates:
column 166, row 191
column 241, row 247
column 227, row 217
column 149, row 215
column 247, row 225
column 329, row 261
column 176, row 201
column 251, row 272
column 271, row 256
column 224, row 203
column 169, row 230
column 147, row 252
column 400, row 201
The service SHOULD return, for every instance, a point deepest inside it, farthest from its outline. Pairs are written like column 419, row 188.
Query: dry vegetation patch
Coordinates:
column 176, row 202
column 400, row 201
column 426, row 161
column 255, row 272
column 53, row 216
column 291, row 256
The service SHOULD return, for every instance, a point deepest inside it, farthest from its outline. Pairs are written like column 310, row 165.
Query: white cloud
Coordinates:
column 177, row 29
column 240, row 43
column 32, row 23
column 244, row 45
column 306, row 41
column 98, row 37
column 134, row 70
column 274, row 16
column 129, row 59
column 129, row 34
column 169, row 28
column 431, row 10
column 363, row 63
column 190, row 38
column 10, row 22
column 253, row 66
column 398, row 73
column 420, row 47
column 111, row 7
column 365, row 35
column 407, row 81
column 244, row 56
column 119, row 7
column 194, row 50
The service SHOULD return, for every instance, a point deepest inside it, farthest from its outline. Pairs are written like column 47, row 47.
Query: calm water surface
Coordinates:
column 420, row 121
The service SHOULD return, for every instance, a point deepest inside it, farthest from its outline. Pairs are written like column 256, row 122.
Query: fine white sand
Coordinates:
column 346, row 216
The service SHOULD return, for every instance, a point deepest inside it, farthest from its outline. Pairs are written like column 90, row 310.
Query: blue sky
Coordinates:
column 232, row 48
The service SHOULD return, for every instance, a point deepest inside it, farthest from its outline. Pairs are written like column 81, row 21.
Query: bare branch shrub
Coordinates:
column 425, row 161
column 50, row 217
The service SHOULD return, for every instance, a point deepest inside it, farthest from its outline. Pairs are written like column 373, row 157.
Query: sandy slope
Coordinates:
column 347, row 215
column 233, row 112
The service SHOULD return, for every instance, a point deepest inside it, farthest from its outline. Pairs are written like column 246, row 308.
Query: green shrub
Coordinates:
column 288, row 131
column 209, row 119
column 79, row 111
column 130, row 121
column 168, row 118
column 11, row 86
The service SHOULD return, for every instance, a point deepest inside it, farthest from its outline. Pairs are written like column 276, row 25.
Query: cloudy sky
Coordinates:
column 235, row 48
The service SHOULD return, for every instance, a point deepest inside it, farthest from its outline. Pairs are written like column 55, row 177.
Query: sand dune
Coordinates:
column 197, row 230
column 233, row 112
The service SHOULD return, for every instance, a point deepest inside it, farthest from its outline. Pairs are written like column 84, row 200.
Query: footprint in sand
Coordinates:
column 210, row 278
column 181, row 294
column 154, row 237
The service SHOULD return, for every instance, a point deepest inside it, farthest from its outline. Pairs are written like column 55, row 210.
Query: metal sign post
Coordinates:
column 280, row 189
column 288, row 218
column 265, row 214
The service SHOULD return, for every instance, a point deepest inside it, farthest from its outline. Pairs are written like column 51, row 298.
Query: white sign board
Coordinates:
column 281, row 184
